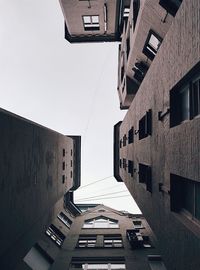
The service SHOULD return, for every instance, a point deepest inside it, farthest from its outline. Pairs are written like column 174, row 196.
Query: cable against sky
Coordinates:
column 107, row 198
column 110, row 193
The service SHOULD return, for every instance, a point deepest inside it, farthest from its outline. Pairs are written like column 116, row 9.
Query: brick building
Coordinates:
column 157, row 143
column 99, row 238
column 37, row 167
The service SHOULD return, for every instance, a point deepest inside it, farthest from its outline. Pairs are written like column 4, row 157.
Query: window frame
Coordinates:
column 148, row 49
column 91, row 26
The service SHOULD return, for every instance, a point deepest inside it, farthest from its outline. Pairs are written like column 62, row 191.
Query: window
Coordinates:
column 55, row 234
column 171, row 6
column 130, row 167
column 126, row 12
column 145, row 176
column 127, row 47
column 37, row 258
column 185, row 195
column 63, row 165
column 101, row 263
column 185, row 101
column 120, row 163
column 91, row 23
column 124, row 163
column 155, row 262
column 112, row 241
column 152, row 44
column 71, row 163
column 140, row 69
column 86, row 241
column 145, row 125
column 63, row 179
column 63, row 152
column 138, row 224
column 131, row 135
column 137, row 239
column 124, row 140
column 100, row 223
column 71, row 152
column 65, row 219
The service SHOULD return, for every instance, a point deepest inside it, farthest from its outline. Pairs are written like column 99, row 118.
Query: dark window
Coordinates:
column 152, row 44
column 140, row 70
column 136, row 7
column 63, row 178
column 87, row 241
column 112, row 241
column 120, row 144
column 91, row 23
column 171, row 6
column 145, row 125
column 145, row 176
column 120, row 163
column 63, row 152
column 55, row 234
column 185, row 101
column 138, row 240
column 124, row 140
column 71, row 163
column 185, row 195
column 122, row 73
column 71, row 152
column 131, row 135
column 65, row 219
column 130, row 167
column 127, row 46
column 124, row 163
column 63, row 165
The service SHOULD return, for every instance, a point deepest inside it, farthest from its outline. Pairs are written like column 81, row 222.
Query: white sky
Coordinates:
column 69, row 88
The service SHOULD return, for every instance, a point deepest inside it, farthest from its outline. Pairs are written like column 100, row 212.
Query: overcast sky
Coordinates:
column 68, row 88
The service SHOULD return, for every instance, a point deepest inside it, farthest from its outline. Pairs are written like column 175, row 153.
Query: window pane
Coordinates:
column 118, row 266
column 95, row 19
column 154, row 42
column 184, row 104
column 188, row 196
column 86, row 19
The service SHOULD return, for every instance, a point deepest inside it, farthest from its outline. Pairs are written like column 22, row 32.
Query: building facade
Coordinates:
column 94, row 21
column 157, row 143
column 37, row 166
column 99, row 238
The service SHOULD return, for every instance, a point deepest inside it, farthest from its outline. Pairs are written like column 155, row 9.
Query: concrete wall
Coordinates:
column 31, row 182
column 168, row 150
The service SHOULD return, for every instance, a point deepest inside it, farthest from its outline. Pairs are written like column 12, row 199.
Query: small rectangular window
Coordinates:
column 112, row 241
column 87, row 241
column 62, row 217
column 171, row 6
column 145, row 125
column 185, row 194
column 63, row 165
column 63, row 179
column 91, row 22
column 130, row 167
column 152, row 44
column 145, row 176
column 120, row 163
column 124, row 163
column 63, row 152
column 131, row 135
column 124, row 140
column 55, row 234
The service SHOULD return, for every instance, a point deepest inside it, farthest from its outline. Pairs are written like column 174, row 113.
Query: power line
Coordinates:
column 102, row 195
column 107, row 198
column 95, row 182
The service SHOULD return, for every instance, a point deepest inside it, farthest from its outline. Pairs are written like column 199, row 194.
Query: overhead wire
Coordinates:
column 95, row 182
column 110, row 193
column 107, row 198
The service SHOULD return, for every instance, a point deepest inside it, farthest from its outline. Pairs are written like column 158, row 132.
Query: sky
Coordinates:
column 70, row 88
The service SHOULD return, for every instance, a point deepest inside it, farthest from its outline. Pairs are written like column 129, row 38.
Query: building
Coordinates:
column 157, row 144
column 94, row 21
column 37, row 167
column 99, row 238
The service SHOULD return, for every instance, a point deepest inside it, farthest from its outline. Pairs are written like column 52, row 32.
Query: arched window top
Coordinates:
column 101, row 222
